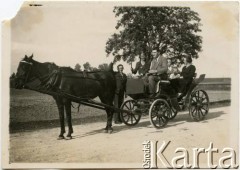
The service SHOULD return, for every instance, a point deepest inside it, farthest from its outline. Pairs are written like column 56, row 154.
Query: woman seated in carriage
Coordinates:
column 142, row 66
column 187, row 75
column 182, row 81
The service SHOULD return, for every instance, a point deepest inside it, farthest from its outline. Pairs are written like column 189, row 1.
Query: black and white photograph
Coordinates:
column 121, row 84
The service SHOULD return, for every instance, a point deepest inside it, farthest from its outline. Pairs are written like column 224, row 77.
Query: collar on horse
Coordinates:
column 27, row 76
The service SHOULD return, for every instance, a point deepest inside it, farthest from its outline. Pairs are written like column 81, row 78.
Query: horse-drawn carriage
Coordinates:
column 67, row 85
column 161, row 108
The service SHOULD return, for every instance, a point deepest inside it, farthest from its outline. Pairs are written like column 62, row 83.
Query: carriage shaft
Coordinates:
column 103, row 106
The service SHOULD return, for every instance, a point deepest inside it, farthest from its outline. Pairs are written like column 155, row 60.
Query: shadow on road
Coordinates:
column 186, row 117
column 116, row 129
column 145, row 123
column 48, row 124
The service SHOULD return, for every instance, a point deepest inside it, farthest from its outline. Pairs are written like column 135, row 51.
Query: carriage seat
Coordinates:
column 167, row 82
column 161, row 82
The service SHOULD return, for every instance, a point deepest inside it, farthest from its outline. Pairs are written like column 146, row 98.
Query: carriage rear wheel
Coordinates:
column 158, row 113
column 132, row 117
column 198, row 105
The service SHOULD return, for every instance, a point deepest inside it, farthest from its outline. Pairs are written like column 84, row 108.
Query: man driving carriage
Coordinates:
column 158, row 70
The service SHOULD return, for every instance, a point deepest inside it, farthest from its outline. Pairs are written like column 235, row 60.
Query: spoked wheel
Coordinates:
column 132, row 117
column 172, row 114
column 158, row 113
column 198, row 105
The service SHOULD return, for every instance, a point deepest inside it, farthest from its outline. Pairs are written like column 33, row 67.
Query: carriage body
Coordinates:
column 164, row 106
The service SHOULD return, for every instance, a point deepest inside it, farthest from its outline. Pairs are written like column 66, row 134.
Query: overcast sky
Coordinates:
column 67, row 33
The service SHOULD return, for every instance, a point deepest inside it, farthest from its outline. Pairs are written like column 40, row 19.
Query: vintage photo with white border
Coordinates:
column 121, row 84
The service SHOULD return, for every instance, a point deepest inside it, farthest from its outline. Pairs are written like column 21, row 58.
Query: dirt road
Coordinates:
column 91, row 145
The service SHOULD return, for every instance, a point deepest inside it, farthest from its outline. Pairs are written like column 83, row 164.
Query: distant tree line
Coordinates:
column 12, row 80
column 87, row 67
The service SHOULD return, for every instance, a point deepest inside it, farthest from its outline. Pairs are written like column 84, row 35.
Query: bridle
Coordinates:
column 37, row 74
column 25, row 79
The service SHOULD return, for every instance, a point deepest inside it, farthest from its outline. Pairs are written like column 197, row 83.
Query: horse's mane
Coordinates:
column 63, row 68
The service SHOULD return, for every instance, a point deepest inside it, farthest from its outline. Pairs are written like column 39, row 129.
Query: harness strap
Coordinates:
column 26, row 62
column 76, row 107
column 53, row 79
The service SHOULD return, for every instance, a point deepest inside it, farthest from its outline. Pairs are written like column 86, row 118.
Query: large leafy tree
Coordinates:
column 172, row 30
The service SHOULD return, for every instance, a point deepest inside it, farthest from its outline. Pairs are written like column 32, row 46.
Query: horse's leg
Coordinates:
column 109, row 119
column 60, row 107
column 67, row 104
column 109, row 112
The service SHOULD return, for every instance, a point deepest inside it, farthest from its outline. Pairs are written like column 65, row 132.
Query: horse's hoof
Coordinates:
column 105, row 131
column 110, row 131
column 60, row 137
column 68, row 137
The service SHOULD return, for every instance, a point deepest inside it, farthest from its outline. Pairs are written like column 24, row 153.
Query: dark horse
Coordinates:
column 50, row 79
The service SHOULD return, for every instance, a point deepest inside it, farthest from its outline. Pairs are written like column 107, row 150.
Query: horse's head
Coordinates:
column 24, row 71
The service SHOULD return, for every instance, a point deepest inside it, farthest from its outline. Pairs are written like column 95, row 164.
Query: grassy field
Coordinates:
column 27, row 107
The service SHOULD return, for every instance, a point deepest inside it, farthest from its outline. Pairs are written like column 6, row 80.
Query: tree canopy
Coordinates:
column 103, row 67
column 88, row 67
column 171, row 30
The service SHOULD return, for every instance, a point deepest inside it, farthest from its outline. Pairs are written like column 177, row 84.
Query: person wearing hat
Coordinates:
column 158, row 70
column 142, row 66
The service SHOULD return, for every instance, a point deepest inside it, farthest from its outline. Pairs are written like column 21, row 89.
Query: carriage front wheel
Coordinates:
column 158, row 113
column 198, row 105
column 133, row 116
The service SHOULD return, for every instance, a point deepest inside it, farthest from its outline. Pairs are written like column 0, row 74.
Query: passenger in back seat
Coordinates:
column 187, row 75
